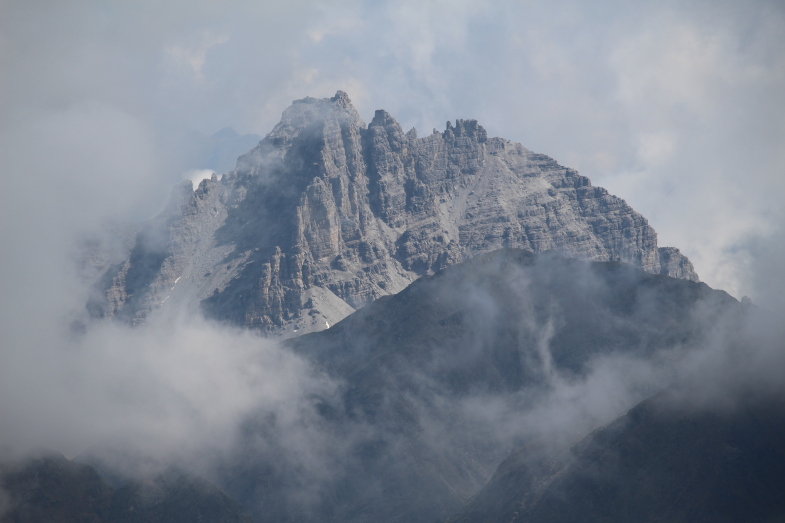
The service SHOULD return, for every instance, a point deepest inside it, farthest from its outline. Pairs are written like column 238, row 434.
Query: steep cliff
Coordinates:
column 327, row 214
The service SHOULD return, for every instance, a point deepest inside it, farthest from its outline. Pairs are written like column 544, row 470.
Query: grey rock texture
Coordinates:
column 327, row 214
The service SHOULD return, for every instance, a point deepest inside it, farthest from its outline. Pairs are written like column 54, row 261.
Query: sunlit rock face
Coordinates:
column 327, row 214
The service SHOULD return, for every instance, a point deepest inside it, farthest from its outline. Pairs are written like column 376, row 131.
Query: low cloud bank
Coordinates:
column 170, row 390
column 249, row 413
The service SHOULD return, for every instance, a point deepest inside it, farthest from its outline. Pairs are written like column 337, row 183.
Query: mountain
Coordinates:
column 327, row 214
column 655, row 463
column 433, row 388
column 54, row 489
column 440, row 381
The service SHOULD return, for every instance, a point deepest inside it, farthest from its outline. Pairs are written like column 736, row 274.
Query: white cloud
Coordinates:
column 197, row 175
column 195, row 56
column 173, row 389
column 654, row 149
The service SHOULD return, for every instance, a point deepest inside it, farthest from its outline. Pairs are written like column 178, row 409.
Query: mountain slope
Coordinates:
column 54, row 489
column 442, row 380
column 327, row 214
column 653, row 464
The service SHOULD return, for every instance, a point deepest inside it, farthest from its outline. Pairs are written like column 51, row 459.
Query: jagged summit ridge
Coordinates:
column 328, row 213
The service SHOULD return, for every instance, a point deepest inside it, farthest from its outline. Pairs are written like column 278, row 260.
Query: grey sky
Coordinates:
column 676, row 107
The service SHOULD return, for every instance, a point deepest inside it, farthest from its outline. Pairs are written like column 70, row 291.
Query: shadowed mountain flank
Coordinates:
column 327, row 214
column 442, row 380
column 52, row 488
column 652, row 464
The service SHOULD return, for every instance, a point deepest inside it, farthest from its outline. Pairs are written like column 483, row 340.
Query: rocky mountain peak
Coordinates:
column 305, row 120
column 326, row 214
column 342, row 99
column 466, row 128
column 382, row 118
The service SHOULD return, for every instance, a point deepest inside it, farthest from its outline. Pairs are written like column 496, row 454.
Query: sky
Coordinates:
column 676, row 107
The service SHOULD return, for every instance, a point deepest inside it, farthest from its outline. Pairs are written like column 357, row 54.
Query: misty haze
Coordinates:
column 250, row 274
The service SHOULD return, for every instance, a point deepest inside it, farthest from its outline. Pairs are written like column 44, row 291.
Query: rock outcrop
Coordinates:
column 327, row 214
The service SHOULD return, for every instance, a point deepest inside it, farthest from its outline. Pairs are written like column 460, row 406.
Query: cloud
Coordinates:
column 691, row 84
column 195, row 56
column 174, row 391
column 197, row 175
column 737, row 366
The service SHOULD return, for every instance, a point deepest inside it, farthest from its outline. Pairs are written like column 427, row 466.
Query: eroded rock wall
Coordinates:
column 327, row 214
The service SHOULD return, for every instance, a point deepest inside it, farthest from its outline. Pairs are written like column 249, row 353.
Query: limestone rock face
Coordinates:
column 327, row 214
